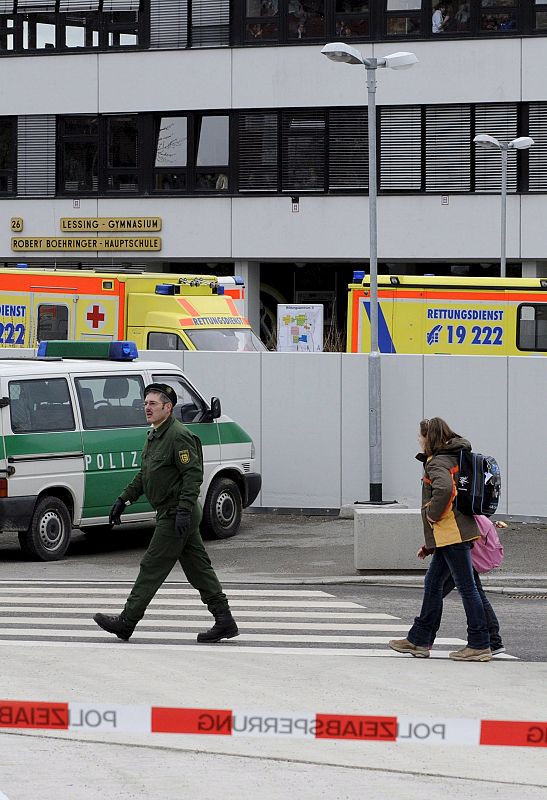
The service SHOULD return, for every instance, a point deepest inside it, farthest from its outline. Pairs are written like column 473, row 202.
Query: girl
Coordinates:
column 450, row 535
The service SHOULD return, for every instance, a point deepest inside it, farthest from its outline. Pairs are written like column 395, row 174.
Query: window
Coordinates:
column 122, row 154
column 40, row 405
column 262, row 20
column 537, row 155
column 116, row 401
column 532, row 327
column 348, row 149
column 219, row 339
column 79, row 166
column 303, row 156
column 400, row 148
column 212, row 147
column 258, row 145
column 499, row 16
column 190, row 406
column 165, row 341
column 52, row 322
column 403, row 18
column 499, row 120
column 352, row 20
column 448, row 148
column 8, row 154
column 7, row 33
column 306, row 19
column 171, row 155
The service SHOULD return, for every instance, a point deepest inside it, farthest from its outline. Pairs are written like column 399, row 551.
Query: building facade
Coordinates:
column 222, row 119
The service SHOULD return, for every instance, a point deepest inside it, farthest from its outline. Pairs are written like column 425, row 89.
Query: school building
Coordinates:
column 222, row 120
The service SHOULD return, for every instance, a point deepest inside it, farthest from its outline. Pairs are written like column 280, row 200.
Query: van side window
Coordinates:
column 52, row 322
column 116, row 401
column 165, row 341
column 532, row 327
column 190, row 406
column 40, row 405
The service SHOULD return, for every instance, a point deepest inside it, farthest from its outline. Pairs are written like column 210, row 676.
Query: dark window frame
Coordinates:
column 36, row 414
column 9, row 172
column 518, row 331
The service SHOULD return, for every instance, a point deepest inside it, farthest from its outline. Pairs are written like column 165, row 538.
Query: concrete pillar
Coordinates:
column 534, row 269
column 250, row 272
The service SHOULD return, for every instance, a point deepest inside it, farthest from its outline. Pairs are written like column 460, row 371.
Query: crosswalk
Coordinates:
column 280, row 620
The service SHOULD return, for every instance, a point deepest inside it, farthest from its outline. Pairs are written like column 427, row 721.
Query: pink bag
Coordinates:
column 487, row 552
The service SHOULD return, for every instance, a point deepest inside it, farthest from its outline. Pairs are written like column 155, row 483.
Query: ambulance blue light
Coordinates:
column 358, row 275
column 239, row 280
column 220, row 289
column 167, row 288
column 22, row 266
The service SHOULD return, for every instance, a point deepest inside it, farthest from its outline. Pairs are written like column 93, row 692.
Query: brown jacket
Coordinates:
column 439, row 492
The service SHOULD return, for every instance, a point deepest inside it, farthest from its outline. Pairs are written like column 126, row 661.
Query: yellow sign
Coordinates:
column 16, row 224
column 102, row 243
column 112, row 224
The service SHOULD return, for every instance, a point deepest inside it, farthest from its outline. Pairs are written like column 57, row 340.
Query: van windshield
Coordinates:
column 235, row 339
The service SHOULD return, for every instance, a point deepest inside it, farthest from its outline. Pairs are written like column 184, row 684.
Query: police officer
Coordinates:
column 170, row 476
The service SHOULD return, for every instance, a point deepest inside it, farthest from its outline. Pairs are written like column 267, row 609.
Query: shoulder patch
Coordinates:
column 184, row 456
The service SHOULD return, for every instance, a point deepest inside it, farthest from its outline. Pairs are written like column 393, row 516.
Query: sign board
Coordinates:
column 95, row 244
column 112, row 224
column 299, row 328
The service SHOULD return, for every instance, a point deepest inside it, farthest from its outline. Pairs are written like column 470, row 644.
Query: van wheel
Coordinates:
column 222, row 509
column 48, row 536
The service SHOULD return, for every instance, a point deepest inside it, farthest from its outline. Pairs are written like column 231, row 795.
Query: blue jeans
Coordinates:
column 491, row 620
column 453, row 560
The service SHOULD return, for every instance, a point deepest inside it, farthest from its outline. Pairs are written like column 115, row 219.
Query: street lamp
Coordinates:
column 520, row 143
column 338, row 51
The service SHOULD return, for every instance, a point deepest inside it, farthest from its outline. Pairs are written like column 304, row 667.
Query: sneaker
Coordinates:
column 497, row 650
column 404, row 646
column 471, row 654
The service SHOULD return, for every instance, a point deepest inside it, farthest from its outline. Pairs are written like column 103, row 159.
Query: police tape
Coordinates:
column 86, row 717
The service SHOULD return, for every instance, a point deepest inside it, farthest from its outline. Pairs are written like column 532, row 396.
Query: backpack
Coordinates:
column 487, row 552
column 478, row 484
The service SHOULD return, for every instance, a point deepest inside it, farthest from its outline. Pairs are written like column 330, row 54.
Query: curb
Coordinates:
column 502, row 586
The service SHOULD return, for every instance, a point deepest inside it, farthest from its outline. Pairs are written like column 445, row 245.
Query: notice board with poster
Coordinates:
column 299, row 328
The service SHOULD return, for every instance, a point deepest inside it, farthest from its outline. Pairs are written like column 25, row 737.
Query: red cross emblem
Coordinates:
column 96, row 316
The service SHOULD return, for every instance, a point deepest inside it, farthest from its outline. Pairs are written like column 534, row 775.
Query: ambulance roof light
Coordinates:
column 22, row 266
column 112, row 351
column 220, row 289
column 358, row 275
column 239, row 280
column 167, row 288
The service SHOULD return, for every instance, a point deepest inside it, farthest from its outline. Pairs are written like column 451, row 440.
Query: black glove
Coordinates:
column 182, row 521
column 115, row 512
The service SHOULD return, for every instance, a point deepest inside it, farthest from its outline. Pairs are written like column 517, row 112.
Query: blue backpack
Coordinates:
column 478, row 483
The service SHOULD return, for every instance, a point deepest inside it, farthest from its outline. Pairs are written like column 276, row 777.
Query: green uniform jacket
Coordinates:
column 439, row 490
column 171, row 470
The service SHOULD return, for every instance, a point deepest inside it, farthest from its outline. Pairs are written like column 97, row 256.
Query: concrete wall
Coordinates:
column 308, row 416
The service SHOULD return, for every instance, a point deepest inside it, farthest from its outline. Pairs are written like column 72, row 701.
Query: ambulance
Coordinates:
column 72, row 428
column 466, row 316
column 158, row 311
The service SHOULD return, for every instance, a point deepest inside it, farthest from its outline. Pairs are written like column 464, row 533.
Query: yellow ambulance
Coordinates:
column 158, row 311
column 467, row 316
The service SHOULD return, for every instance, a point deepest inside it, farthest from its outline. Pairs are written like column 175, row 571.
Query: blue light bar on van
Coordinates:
column 167, row 288
column 358, row 275
column 113, row 351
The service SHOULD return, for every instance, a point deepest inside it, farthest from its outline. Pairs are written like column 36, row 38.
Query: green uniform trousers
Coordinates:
column 165, row 549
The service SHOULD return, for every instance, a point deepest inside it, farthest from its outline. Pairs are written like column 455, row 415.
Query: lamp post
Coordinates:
column 520, row 143
column 338, row 51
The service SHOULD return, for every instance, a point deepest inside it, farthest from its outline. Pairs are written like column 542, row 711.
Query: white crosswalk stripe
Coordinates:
column 297, row 621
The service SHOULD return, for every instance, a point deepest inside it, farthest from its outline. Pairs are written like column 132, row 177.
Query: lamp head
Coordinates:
column 521, row 143
column 338, row 51
column 400, row 60
column 487, row 141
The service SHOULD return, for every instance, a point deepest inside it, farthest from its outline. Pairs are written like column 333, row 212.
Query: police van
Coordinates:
column 72, row 427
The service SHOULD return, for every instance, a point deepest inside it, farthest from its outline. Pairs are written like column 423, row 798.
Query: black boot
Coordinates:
column 224, row 628
column 115, row 623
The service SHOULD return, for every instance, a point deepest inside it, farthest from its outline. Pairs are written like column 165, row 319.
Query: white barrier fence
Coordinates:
column 308, row 416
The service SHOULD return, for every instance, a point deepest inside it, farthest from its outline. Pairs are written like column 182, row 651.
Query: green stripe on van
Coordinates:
column 231, row 432
column 23, row 444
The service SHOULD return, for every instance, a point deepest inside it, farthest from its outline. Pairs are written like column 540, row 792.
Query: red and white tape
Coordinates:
column 88, row 717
